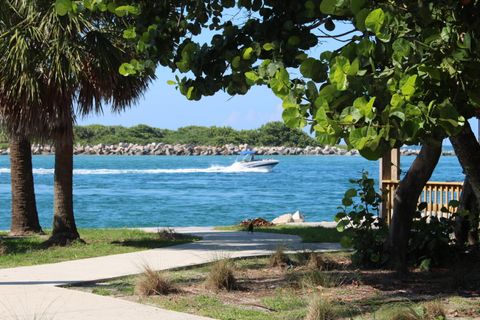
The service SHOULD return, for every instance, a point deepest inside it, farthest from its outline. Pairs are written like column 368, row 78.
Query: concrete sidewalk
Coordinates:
column 32, row 292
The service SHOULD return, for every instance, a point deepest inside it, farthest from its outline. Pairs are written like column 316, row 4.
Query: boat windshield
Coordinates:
column 248, row 158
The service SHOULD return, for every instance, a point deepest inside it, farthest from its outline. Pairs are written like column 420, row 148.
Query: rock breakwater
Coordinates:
column 162, row 149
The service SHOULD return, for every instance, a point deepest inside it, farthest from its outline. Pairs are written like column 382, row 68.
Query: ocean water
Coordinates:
column 134, row 191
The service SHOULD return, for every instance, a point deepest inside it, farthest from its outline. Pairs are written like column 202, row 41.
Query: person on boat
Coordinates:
column 249, row 155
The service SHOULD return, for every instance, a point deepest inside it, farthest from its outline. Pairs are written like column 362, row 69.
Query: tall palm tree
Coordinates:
column 24, row 219
column 72, row 68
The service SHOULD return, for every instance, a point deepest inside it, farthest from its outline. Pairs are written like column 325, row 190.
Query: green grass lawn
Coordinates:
column 308, row 234
column 25, row 251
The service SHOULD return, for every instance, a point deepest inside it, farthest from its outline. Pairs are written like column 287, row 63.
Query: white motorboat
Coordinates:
column 248, row 161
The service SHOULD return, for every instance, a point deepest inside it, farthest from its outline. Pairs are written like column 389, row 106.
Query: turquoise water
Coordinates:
column 128, row 191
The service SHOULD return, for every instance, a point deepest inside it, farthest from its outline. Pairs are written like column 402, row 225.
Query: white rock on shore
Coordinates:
column 298, row 217
column 283, row 219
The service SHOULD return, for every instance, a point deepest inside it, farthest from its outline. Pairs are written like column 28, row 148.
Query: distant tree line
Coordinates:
column 270, row 134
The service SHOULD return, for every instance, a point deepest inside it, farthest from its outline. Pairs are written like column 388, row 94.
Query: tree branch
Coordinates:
column 326, row 35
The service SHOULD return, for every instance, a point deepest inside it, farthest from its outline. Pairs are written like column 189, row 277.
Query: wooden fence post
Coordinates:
column 389, row 171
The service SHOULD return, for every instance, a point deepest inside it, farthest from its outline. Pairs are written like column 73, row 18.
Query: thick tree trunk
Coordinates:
column 461, row 222
column 405, row 203
column 466, row 226
column 64, row 227
column 24, row 209
column 467, row 150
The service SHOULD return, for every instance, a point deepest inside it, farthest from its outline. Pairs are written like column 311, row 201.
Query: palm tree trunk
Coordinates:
column 405, row 203
column 24, row 209
column 64, row 227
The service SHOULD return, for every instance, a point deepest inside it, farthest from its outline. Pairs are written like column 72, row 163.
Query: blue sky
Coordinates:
column 164, row 107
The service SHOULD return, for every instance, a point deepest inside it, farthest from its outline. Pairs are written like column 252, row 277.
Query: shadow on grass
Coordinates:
column 308, row 234
column 148, row 243
column 31, row 244
column 24, row 244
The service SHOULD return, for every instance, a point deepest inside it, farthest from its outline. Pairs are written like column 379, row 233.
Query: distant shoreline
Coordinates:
column 162, row 149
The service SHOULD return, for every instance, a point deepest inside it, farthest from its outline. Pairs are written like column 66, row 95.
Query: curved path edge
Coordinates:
column 34, row 292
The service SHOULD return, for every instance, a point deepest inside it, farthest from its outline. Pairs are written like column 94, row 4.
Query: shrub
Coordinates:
column 321, row 309
column 316, row 261
column 405, row 313
column 302, row 257
column 434, row 310
column 3, row 248
column 168, row 234
column 153, row 283
column 279, row 258
column 367, row 232
column 221, row 276
column 431, row 242
column 398, row 312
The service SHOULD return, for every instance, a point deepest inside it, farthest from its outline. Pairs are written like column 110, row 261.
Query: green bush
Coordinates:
column 270, row 134
column 430, row 244
column 367, row 232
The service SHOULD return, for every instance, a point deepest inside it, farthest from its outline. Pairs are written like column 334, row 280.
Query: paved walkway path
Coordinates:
column 34, row 293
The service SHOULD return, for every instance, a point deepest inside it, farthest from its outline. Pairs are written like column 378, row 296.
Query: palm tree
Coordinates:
column 71, row 68
column 24, row 210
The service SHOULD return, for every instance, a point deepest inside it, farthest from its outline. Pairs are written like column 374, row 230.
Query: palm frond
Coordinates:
column 54, row 67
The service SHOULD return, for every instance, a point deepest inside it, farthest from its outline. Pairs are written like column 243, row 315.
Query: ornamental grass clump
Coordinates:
column 406, row 314
column 399, row 313
column 221, row 276
column 3, row 248
column 302, row 257
column 434, row 310
column 167, row 234
column 317, row 261
column 153, row 283
column 279, row 258
column 321, row 309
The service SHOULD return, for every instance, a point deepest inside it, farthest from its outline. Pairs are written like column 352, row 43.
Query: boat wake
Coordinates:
column 234, row 168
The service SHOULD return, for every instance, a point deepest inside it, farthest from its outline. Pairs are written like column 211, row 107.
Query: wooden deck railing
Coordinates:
column 436, row 194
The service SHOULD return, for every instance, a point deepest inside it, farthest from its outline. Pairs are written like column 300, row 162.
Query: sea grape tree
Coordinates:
column 404, row 72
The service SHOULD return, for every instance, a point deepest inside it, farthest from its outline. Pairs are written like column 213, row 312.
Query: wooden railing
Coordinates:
column 436, row 194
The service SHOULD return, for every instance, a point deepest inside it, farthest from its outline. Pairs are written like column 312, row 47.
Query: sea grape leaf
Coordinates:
column 409, row 86
column 338, row 73
column 293, row 118
column 375, row 21
column 63, row 7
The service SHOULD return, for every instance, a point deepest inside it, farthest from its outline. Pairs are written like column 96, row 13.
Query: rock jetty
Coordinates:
column 162, row 149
